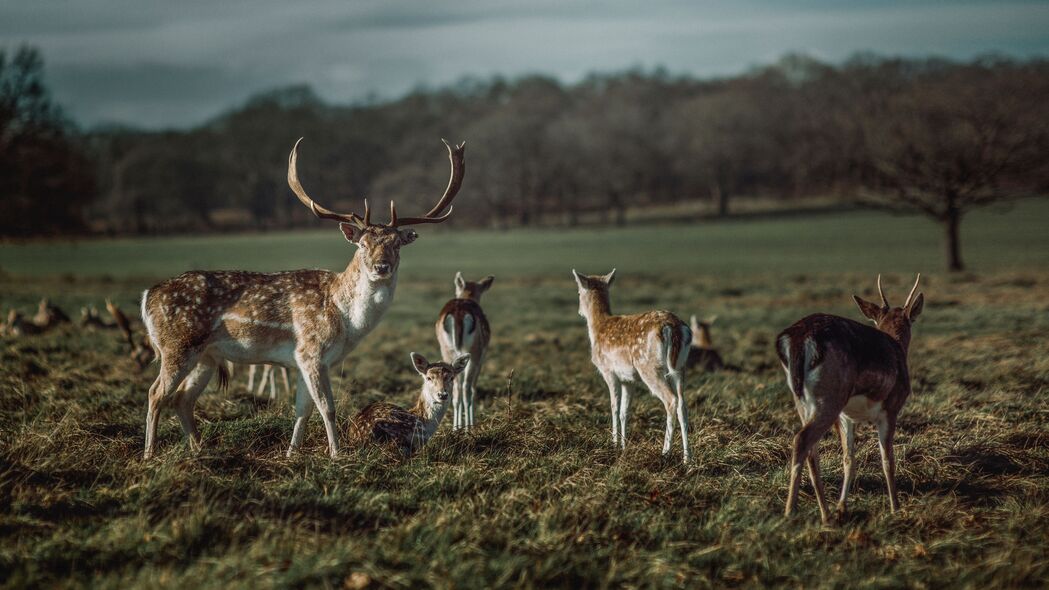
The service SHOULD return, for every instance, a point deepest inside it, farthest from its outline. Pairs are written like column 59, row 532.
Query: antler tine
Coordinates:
column 884, row 301
column 393, row 215
column 319, row 211
column 367, row 213
column 914, row 289
column 455, row 182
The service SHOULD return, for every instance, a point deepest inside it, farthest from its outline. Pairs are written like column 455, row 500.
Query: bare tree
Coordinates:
column 947, row 143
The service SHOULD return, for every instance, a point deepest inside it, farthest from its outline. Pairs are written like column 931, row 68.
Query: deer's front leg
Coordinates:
column 315, row 374
column 613, row 395
column 303, row 410
column 886, row 433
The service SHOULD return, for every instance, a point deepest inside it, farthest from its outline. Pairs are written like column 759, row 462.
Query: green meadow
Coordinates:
column 536, row 495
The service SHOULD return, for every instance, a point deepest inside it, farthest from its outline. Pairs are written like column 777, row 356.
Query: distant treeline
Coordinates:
column 889, row 132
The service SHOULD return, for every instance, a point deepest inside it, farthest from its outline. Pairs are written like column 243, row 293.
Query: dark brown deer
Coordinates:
column 463, row 328
column 304, row 319
column 408, row 430
column 842, row 372
column 651, row 347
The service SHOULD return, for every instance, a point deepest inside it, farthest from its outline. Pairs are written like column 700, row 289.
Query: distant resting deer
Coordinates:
column 651, row 347
column 408, row 430
column 841, row 372
column 304, row 319
column 462, row 327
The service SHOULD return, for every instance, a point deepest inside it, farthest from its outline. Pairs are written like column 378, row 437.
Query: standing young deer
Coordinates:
column 841, row 372
column 305, row 319
column 652, row 347
column 463, row 328
column 409, row 430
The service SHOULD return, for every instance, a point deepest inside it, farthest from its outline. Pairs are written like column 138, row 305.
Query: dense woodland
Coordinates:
column 930, row 136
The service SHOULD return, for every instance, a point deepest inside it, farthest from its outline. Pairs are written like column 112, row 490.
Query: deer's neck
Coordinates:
column 362, row 300
column 596, row 310
column 429, row 415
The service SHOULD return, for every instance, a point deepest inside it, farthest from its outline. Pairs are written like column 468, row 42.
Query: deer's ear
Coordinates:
column 407, row 236
column 460, row 362
column 871, row 311
column 460, row 282
column 420, row 363
column 578, row 279
column 352, row 232
column 486, row 283
column 610, row 277
column 916, row 306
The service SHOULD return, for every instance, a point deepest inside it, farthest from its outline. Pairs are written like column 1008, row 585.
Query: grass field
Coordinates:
column 537, row 496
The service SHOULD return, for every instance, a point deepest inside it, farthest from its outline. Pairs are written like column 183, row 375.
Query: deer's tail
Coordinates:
column 791, row 350
column 677, row 338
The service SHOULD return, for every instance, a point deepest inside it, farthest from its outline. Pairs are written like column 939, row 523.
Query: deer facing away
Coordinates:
column 842, row 372
column 408, row 430
column 651, row 347
column 305, row 319
column 462, row 328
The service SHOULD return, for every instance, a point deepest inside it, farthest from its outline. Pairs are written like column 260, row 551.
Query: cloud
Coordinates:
column 164, row 64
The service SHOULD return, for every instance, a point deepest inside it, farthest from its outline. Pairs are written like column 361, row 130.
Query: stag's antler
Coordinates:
column 913, row 290
column 884, row 301
column 296, row 187
column 455, row 182
column 455, row 156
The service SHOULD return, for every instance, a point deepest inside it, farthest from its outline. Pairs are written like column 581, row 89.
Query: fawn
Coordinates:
column 462, row 328
column 651, row 347
column 408, row 430
column 702, row 353
column 841, row 372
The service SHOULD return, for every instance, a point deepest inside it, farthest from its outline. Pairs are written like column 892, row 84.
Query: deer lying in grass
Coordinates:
column 841, row 372
column 91, row 318
column 139, row 349
column 702, row 354
column 47, row 316
column 305, row 319
column 17, row 325
column 463, row 328
column 408, row 430
column 651, row 347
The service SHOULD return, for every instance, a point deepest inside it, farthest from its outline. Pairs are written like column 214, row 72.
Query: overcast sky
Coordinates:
column 177, row 63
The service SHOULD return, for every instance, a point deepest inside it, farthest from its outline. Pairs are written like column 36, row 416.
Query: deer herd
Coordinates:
column 203, row 322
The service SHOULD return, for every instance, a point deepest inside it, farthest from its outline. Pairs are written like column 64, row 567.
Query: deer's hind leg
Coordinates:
column 174, row 367
column 614, row 388
column 818, row 419
column 186, row 398
column 669, row 392
column 847, row 432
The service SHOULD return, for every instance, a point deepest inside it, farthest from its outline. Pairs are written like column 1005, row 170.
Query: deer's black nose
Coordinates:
column 382, row 268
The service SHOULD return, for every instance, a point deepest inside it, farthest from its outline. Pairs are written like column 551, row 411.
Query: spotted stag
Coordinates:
column 304, row 319
column 842, row 372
